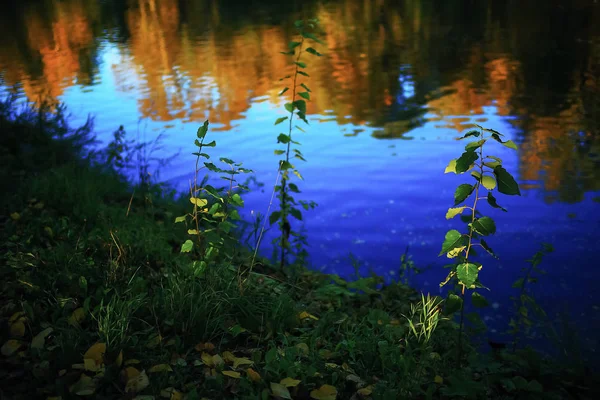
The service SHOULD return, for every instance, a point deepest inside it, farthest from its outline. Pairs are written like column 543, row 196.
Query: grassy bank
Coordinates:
column 99, row 301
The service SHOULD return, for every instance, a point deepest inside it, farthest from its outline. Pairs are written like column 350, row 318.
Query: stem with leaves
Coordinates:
column 287, row 203
column 488, row 172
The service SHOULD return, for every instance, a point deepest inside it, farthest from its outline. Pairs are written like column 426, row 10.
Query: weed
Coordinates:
column 489, row 174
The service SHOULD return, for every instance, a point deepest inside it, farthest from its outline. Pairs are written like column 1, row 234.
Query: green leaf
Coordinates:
column 470, row 133
column 305, row 87
column 280, row 120
column 465, row 161
column 294, row 188
column 313, row 51
column 462, row 192
column 278, row 152
column 488, row 248
column 201, row 133
column 488, row 182
column 198, row 202
column 298, row 175
column 292, row 45
column 467, row 273
column 479, row 301
column 283, row 91
column 506, row 183
column 187, row 246
column 492, row 202
column 274, row 217
column 476, row 175
column 301, row 106
column 285, row 165
column 453, row 212
column 300, row 64
column 180, row 219
column 452, row 240
column 484, row 226
column 491, row 164
column 211, row 144
column 283, row 138
column 303, row 73
column 311, row 36
column 237, row 200
column 452, row 304
column 296, row 213
column 227, row 161
column 451, row 167
column 305, row 95
column 475, row 145
column 510, row 144
column 289, row 107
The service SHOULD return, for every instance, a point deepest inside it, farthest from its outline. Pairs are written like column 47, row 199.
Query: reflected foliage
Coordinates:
column 391, row 65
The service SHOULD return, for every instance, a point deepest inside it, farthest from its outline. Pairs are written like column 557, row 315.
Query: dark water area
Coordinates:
column 397, row 83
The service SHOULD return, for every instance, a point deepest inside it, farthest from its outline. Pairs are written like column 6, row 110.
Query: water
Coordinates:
column 398, row 82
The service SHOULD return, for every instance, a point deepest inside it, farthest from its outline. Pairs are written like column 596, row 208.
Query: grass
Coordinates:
column 97, row 300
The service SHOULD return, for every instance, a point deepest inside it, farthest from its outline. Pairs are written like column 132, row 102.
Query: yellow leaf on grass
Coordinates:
column 325, row 392
column 231, row 374
column 85, row 386
column 17, row 329
column 77, row 317
column 15, row 216
column 438, row 379
column 289, row 382
column 18, row 316
column 96, row 352
column 253, row 375
column 171, row 393
column 39, row 340
column 280, row 390
column 160, row 368
column 228, row 356
column 132, row 361
column 217, row 360
column 154, row 341
column 304, row 315
column 207, row 359
column 10, row 347
column 138, row 383
column 242, row 361
column 91, row 365
column 128, row 374
column 204, row 346
column 366, row 391
column 303, row 347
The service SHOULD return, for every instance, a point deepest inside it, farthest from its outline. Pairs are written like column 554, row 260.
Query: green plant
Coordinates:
column 287, row 202
column 525, row 305
column 490, row 175
column 214, row 211
column 424, row 318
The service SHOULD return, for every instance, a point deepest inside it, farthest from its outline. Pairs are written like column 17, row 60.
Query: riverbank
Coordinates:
column 99, row 300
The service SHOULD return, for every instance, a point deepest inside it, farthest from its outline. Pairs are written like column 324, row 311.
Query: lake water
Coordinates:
column 397, row 83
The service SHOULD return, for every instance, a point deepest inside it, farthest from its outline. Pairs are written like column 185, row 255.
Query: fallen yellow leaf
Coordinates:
column 325, row 392
column 304, row 315
column 20, row 315
column 228, row 356
column 366, row 391
column 10, row 347
column 438, row 379
column 17, row 329
column 85, row 386
column 39, row 340
column 138, row 383
column 15, row 216
column 160, row 368
column 303, row 347
column 77, row 317
column 253, row 375
column 96, row 352
column 280, row 390
column 171, row 393
column 91, row 365
column 128, row 374
column 119, row 360
column 289, row 382
column 242, row 361
column 154, row 341
column 132, row 361
column 231, row 374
